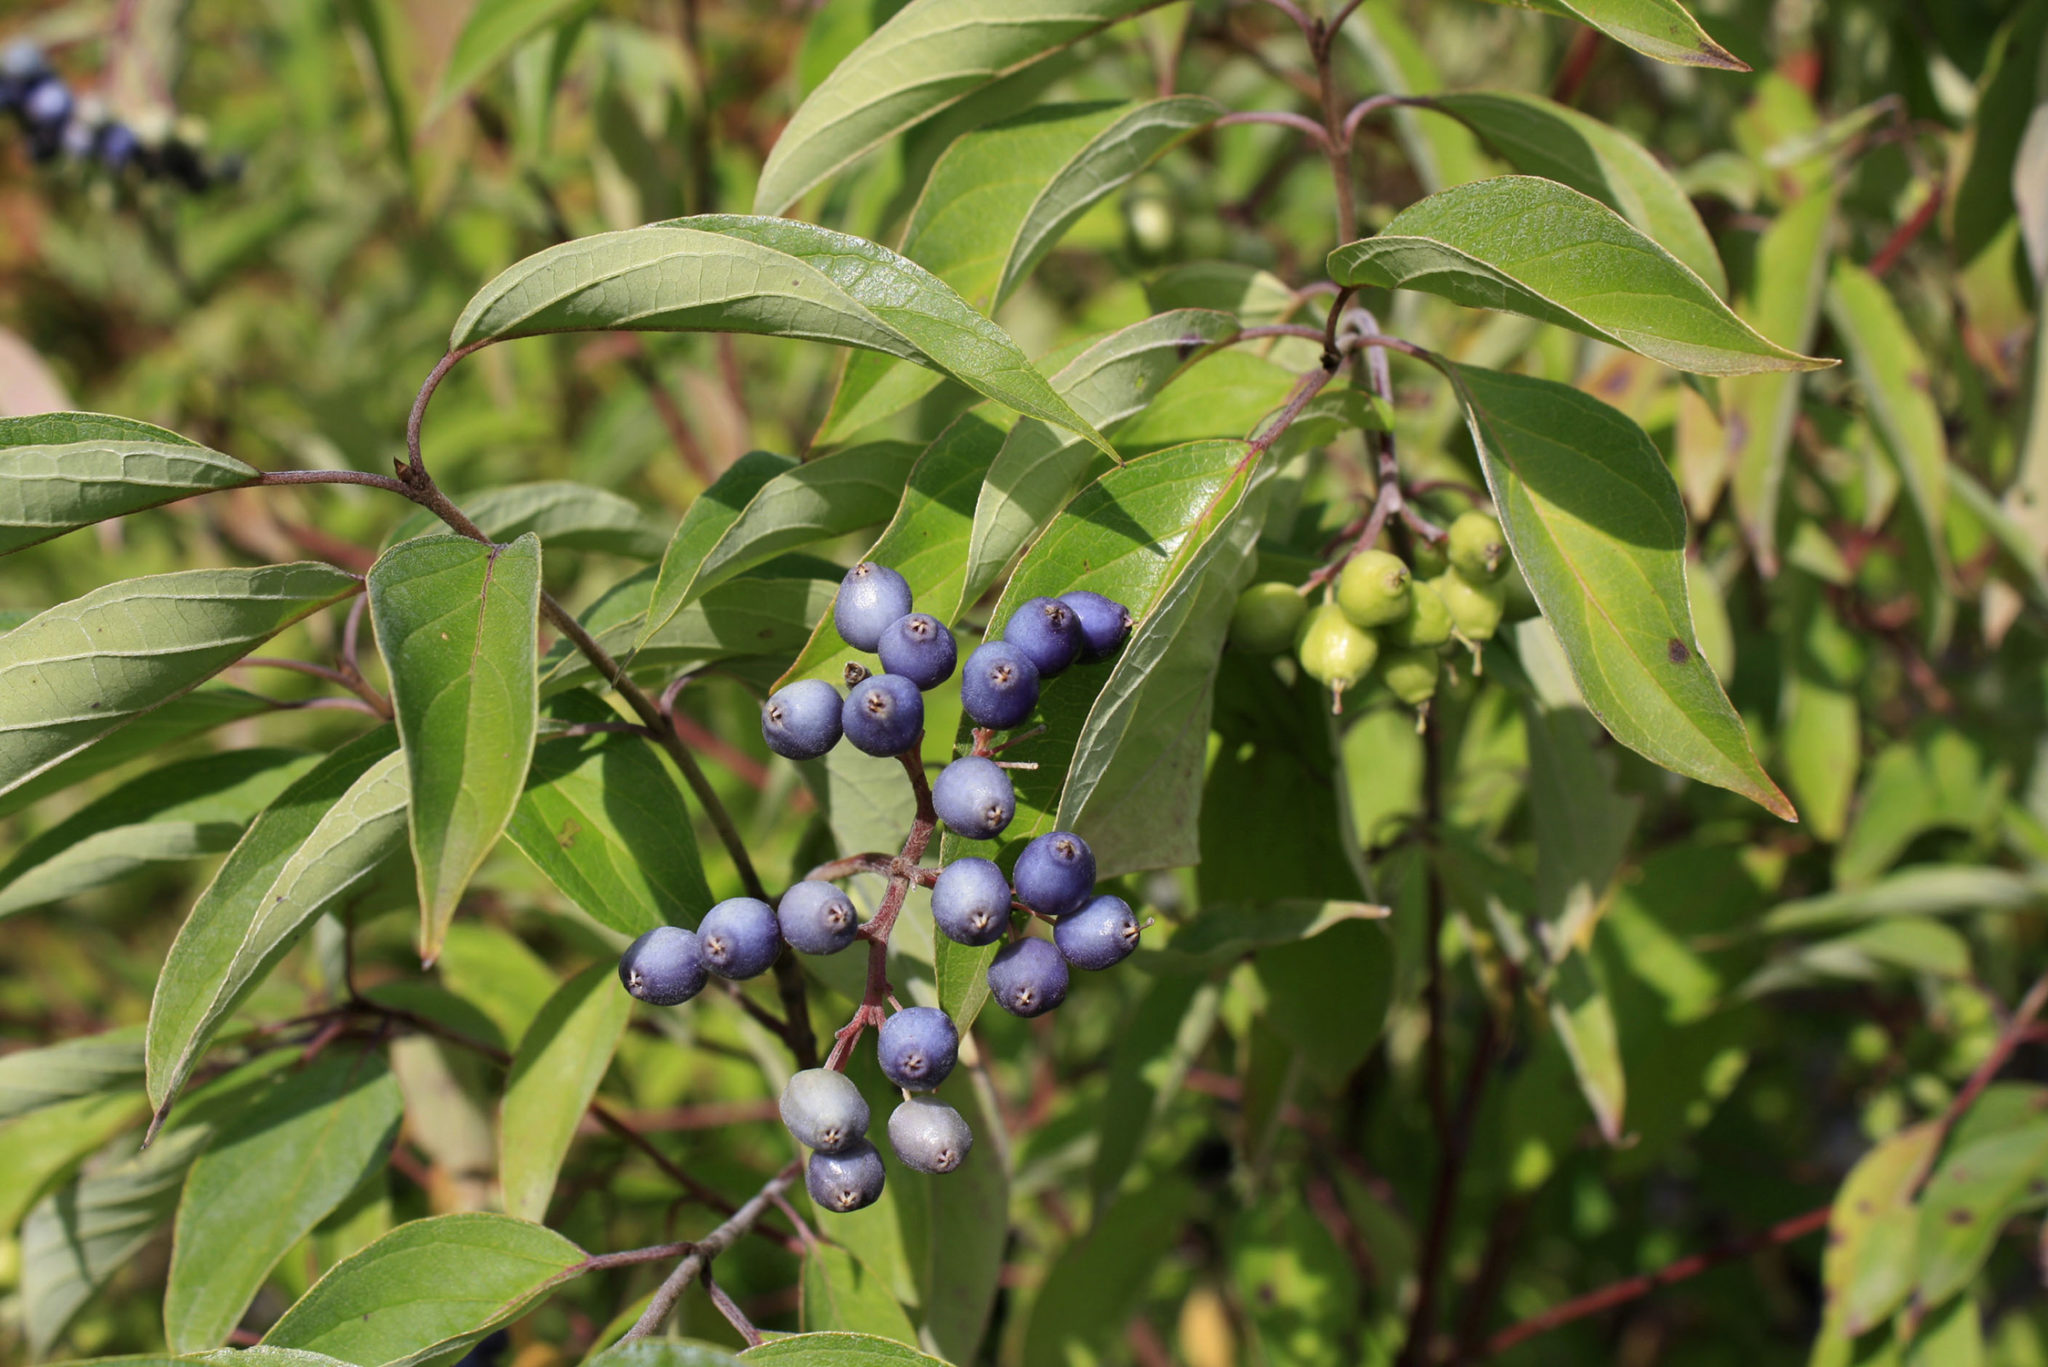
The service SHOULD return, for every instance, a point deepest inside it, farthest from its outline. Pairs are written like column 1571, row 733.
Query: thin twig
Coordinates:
column 354, row 683
column 734, row 1316
column 1314, row 131
column 704, row 1250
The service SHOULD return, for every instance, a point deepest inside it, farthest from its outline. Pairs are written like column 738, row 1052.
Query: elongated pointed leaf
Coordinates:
column 565, row 515
column 180, row 811
column 426, row 1290
column 31, row 1079
column 60, row 471
column 931, row 54
column 1538, row 248
column 561, row 1059
column 267, row 1178
column 81, row 670
column 1656, row 28
column 837, row 1350
column 201, row 710
column 1594, row 519
column 489, row 37
column 710, row 516
column 755, row 617
column 457, row 623
column 1540, row 137
column 322, row 839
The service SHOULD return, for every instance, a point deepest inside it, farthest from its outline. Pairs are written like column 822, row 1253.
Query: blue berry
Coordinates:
column 870, row 598
column 973, row 796
column 999, row 686
column 740, row 937
column 847, row 1180
column 824, row 1110
column 802, row 720
column 664, row 967
column 117, row 146
column 918, row 1047
column 817, row 918
column 919, row 647
column 971, row 902
column 47, row 103
column 1028, row 978
column 1048, row 633
column 21, row 60
column 884, row 714
column 1099, row 935
column 929, row 1136
column 1103, row 622
column 1055, row 873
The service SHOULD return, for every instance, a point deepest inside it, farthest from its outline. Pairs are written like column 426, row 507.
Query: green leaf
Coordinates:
column 81, row 670
column 427, row 1290
column 2006, row 98
column 492, row 33
column 1221, row 933
column 656, row 1353
column 1893, row 378
column 1898, row 946
column 1969, row 1199
column 182, row 810
column 1932, row 890
column 1584, row 1019
column 87, row 1065
column 1439, row 153
column 840, row 1293
column 603, row 818
column 709, row 517
column 1327, row 997
column 1535, row 247
column 1299, row 1291
column 838, row 1350
column 1159, row 1040
column 267, row 1179
column 200, row 711
column 1595, row 523
column 758, row 617
column 566, row 516
column 930, row 55
column 728, row 273
column 957, row 1247
column 314, row 847
column 491, row 969
column 561, row 1059
column 797, row 506
column 61, row 471
column 44, row 1147
column 1082, row 1308
column 1867, row 1267
column 1655, row 28
column 457, row 623
column 1540, row 137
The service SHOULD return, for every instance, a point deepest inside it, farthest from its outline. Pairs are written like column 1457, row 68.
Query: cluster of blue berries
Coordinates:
column 972, row 900
column 57, row 122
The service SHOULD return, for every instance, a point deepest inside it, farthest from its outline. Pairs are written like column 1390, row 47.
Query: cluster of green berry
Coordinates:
column 1385, row 615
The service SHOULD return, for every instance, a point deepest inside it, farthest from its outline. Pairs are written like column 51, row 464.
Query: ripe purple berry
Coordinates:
column 740, row 937
column 971, row 902
column 817, row 918
column 999, row 686
column 973, row 796
column 1099, row 935
column 47, row 104
column 883, row 715
column 1048, row 633
column 1028, row 978
column 929, row 1136
column 919, row 647
column 870, row 597
column 1055, row 874
column 802, row 721
column 664, row 967
column 1103, row 623
column 918, row 1047
column 847, row 1180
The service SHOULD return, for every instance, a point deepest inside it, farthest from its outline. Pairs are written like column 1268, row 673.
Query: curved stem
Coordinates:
column 354, row 684
column 704, row 1250
column 418, row 416
column 1368, row 107
column 1313, row 130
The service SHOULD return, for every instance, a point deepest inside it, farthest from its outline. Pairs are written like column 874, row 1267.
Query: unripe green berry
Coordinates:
column 1410, row 674
column 1475, row 608
column 1427, row 559
column 1477, row 547
column 1373, row 589
column 1265, row 619
column 1335, row 653
column 1428, row 623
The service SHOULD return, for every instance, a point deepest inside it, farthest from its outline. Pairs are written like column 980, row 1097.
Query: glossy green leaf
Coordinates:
column 197, row 712
column 1894, row 380
column 931, row 54
column 427, row 1290
column 1868, row 1265
column 493, row 31
column 839, row 1293
column 183, row 810
column 268, row 1177
column 457, row 623
column 85, row 1065
column 60, row 471
column 1972, row 1194
column 312, row 849
column 561, row 1059
column 1656, row 28
column 1535, row 247
column 1595, row 523
column 79, row 671
column 565, row 515
column 838, row 1350
column 1540, row 137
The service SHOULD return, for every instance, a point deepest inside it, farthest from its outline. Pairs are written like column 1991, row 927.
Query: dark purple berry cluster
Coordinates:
column 58, row 122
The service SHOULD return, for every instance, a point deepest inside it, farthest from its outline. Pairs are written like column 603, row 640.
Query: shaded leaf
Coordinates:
column 565, row 515
column 1224, row 932
column 839, row 1293
column 1157, row 1044
column 1924, row 891
column 60, row 471
column 838, row 1350
column 1086, row 1299
column 86, row 1065
column 201, row 710
column 492, row 33
column 561, row 1060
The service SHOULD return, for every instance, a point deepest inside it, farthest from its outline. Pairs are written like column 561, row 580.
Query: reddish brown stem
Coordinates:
column 903, row 873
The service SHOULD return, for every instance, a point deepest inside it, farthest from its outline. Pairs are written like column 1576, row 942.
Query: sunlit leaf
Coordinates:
column 59, row 471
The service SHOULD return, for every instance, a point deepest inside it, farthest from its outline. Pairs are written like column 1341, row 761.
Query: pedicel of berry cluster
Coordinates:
column 1380, row 619
column 58, row 122
column 973, row 901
